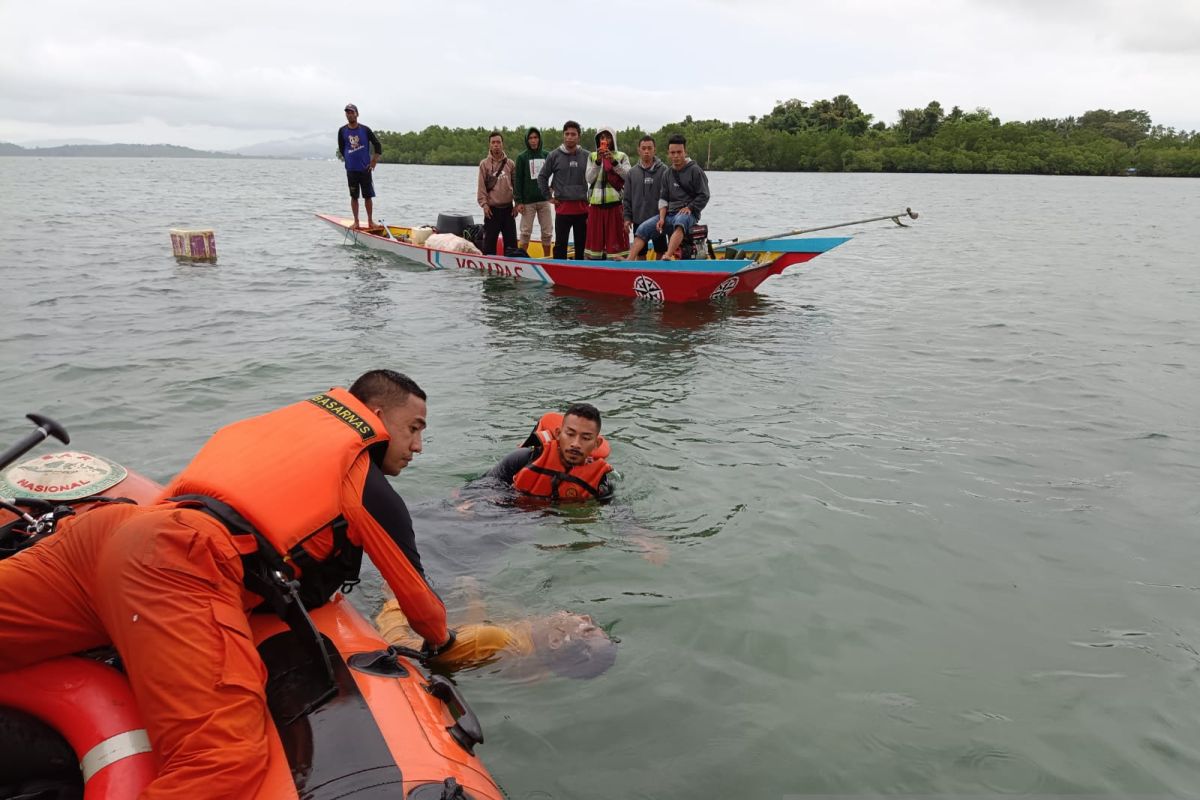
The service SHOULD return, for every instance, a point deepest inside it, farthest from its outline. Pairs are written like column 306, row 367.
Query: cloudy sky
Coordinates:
column 224, row 74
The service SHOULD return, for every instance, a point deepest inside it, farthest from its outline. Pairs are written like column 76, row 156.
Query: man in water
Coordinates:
column 561, row 462
column 360, row 149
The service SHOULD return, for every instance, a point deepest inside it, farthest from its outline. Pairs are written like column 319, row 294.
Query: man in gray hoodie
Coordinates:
column 562, row 181
column 683, row 196
column 642, row 188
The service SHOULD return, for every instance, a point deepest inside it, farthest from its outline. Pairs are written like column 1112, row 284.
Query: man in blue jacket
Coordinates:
column 360, row 149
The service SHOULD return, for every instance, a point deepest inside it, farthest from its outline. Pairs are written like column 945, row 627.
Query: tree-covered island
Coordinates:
column 837, row 136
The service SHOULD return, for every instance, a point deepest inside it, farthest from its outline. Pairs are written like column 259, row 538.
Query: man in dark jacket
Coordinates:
column 642, row 188
column 563, row 182
column 683, row 196
column 528, row 197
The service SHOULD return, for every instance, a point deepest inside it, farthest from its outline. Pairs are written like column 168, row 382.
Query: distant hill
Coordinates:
column 112, row 151
column 312, row 145
column 59, row 142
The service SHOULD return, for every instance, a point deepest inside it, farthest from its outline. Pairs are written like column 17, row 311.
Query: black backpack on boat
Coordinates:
column 474, row 235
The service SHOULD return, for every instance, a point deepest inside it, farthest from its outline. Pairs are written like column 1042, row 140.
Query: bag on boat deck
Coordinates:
column 452, row 243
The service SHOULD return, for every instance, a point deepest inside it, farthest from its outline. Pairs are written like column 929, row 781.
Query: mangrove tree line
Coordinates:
column 837, row 136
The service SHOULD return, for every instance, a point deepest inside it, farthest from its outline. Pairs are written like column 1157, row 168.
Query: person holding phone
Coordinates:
column 607, row 169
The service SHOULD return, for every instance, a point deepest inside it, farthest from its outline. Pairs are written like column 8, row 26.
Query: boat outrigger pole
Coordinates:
column 736, row 244
column 45, row 427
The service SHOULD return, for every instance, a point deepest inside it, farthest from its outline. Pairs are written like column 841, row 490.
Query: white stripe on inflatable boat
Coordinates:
column 112, row 750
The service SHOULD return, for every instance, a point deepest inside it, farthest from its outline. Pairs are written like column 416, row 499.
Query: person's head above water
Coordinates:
column 400, row 405
column 573, row 645
column 579, row 433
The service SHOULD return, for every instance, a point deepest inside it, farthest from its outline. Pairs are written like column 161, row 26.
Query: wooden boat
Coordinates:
column 70, row 727
column 735, row 269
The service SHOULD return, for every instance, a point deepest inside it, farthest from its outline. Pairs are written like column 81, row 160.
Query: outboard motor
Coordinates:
column 454, row 223
column 696, row 245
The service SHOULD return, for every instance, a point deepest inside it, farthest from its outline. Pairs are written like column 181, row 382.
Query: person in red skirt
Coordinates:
column 607, row 236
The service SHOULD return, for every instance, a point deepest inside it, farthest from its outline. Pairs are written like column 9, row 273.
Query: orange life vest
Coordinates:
column 547, row 476
column 282, row 471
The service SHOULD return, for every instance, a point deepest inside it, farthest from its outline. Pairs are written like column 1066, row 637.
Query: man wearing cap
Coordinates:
column 360, row 149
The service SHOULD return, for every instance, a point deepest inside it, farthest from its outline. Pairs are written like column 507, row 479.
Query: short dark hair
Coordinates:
column 571, row 124
column 677, row 138
column 494, row 134
column 647, row 138
column 385, row 387
column 584, row 411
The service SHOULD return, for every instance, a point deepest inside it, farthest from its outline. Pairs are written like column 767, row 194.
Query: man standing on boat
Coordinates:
column 563, row 181
column 683, row 196
column 528, row 197
column 360, row 149
column 642, row 188
column 277, row 508
column 494, row 193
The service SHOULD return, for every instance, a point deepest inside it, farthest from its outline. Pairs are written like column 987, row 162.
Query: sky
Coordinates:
column 223, row 75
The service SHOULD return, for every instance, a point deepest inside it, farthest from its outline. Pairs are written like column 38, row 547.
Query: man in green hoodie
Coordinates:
column 528, row 197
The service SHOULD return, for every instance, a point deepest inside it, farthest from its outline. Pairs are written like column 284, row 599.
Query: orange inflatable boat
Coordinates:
column 69, row 727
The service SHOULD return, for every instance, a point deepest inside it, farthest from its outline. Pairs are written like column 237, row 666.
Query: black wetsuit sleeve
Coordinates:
column 381, row 502
column 511, row 464
column 606, row 489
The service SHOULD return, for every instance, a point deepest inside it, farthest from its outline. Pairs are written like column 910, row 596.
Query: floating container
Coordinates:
column 199, row 245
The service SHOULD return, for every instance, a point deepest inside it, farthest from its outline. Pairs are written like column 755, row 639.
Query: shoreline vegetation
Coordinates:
column 837, row 136
column 822, row 136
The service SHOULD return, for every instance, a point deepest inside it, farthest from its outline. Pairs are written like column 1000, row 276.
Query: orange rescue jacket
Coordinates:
column 547, row 476
column 309, row 446
column 296, row 475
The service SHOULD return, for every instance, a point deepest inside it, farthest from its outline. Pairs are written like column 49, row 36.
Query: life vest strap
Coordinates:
column 345, row 560
column 557, row 478
column 267, row 575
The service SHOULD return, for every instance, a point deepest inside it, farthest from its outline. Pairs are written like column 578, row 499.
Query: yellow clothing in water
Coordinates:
column 474, row 644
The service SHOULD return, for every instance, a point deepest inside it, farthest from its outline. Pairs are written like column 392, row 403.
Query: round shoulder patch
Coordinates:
column 61, row 476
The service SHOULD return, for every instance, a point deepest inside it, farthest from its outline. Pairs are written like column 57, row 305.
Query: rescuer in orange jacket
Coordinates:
column 563, row 459
column 298, row 493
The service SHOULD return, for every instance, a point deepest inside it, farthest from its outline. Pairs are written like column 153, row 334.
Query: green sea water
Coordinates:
column 920, row 518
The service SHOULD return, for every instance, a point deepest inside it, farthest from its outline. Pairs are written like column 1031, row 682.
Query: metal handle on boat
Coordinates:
column 466, row 729
column 735, row 244
column 46, row 427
